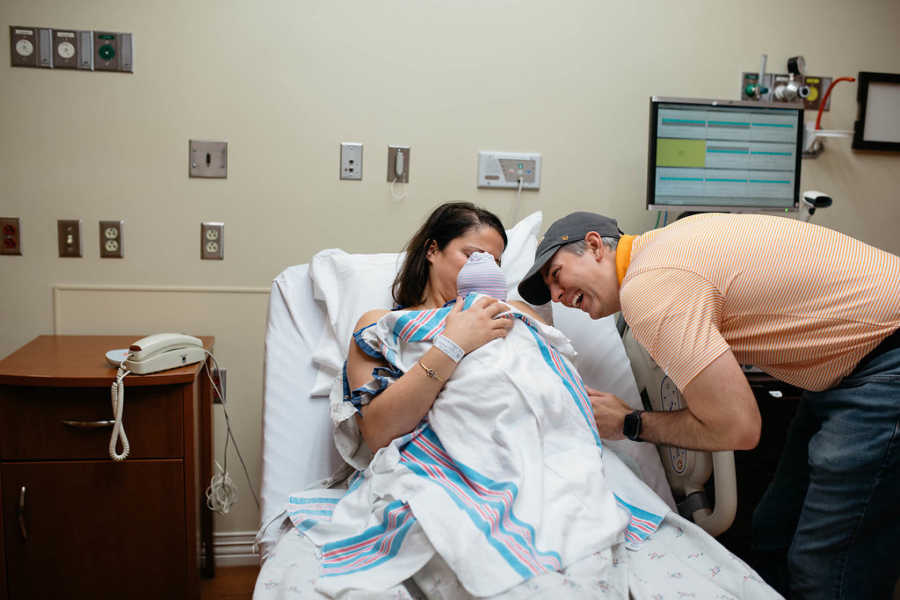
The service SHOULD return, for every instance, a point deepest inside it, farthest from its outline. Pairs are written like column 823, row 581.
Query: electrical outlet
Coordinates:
column 10, row 236
column 220, row 379
column 112, row 241
column 69, row 238
column 351, row 160
column 398, row 164
column 212, row 241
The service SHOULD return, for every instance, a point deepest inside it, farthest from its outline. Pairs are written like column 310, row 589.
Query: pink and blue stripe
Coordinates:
column 372, row 547
column 487, row 503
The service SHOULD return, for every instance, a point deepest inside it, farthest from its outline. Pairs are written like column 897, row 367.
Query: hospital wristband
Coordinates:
column 449, row 347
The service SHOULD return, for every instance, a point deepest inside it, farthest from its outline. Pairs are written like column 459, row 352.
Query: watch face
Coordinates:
column 632, row 425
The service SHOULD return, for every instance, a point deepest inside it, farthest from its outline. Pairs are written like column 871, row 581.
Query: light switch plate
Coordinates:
column 10, row 236
column 69, row 238
column 208, row 159
column 112, row 239
column 351, row 160
column 212, row 241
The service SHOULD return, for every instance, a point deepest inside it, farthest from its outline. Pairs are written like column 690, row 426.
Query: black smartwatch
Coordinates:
column 632, row 426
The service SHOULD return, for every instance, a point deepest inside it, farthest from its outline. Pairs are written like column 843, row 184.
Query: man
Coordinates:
column 811, row 307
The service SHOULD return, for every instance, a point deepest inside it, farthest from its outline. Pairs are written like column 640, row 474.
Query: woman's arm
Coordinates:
column 402, row 406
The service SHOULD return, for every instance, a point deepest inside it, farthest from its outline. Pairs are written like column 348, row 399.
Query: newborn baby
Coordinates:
column 481, row 274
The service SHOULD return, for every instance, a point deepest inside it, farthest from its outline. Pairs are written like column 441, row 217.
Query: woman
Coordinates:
column 427, row 279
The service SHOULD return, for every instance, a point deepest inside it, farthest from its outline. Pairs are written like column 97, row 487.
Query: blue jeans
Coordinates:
column 829, row 524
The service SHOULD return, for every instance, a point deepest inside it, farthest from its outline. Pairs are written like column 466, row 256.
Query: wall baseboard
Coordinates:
column 235, row 548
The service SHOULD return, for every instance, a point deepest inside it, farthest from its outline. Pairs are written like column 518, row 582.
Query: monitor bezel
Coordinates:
column 655, row 102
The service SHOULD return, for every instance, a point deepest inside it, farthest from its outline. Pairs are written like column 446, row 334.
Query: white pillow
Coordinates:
column 351, row 284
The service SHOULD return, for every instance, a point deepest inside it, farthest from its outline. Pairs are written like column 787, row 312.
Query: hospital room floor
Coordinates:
column 230, row 583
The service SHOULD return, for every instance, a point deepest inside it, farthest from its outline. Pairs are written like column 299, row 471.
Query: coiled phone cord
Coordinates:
column 117, row 392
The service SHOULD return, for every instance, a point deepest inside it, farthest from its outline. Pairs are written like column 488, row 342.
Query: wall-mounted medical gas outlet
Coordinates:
column 208, row 159
column 69, row 238
column 212, row 241
column 112, row 240
column 781, row 87
column 398, row 164
column 113, row 51
column 351, row 160
column 73, row 49
column 506, row 169
column 30, row 47
column 10, row 236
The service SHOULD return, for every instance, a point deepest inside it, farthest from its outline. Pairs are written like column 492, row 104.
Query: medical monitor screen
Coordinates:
column 723, row 155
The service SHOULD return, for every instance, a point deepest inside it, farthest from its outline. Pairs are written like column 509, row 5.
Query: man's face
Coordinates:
column 588, row 281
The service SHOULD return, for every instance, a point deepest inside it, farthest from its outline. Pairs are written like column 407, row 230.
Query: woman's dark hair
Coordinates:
column 445, row 224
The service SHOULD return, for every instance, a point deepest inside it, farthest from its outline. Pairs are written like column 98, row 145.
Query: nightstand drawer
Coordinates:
column 34, row 422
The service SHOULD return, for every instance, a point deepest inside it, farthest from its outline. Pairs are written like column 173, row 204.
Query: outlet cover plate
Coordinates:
column 208, row 159
column 351, row 160
column 112, row 240
column 10, row 236
column 69, row 237
column 212, row 241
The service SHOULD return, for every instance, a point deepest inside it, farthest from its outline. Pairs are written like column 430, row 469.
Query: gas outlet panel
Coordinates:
column 780, row 88
column 509, row 169
column 30, row 47
column 48, row 48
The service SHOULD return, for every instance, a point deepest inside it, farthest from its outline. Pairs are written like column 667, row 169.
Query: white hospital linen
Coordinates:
column 505, row 479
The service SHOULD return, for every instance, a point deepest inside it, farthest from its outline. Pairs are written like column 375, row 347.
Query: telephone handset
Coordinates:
column 398, row 164
column 163, row 351
column 151, row 354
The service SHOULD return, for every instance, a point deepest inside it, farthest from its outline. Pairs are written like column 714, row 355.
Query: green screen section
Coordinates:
column 680, row 153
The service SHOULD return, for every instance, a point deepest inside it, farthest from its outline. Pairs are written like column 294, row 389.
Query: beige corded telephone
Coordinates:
column 151, row 354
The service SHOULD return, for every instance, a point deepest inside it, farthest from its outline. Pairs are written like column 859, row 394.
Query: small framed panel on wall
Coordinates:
column 878, row 119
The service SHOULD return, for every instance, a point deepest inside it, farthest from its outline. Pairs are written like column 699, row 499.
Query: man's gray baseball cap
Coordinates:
column 571, row 228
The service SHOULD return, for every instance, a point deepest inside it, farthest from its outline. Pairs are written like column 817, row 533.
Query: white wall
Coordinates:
column 284, row 82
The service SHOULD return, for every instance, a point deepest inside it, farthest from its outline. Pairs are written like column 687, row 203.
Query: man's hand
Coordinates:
column 609, row 413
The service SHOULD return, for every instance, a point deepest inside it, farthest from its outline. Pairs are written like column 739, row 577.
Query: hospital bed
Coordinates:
column 313, row 308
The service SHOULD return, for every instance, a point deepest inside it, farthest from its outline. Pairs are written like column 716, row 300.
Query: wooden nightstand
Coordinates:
column 74, row 523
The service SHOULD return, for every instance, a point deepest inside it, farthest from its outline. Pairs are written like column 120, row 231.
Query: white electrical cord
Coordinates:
column 518, row 202
column 394, row 195
column 222, row 492
column 117, row 392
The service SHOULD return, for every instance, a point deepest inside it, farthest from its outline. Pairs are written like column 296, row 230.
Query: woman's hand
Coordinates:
column 476, row 326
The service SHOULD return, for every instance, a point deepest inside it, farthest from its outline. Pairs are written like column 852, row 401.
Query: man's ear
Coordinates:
column 594, row 244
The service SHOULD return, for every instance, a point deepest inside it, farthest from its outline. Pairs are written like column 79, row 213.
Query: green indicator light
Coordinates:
column 106, row 36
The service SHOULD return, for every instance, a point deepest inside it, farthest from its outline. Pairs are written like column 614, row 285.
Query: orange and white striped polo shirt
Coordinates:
column 802, row 302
